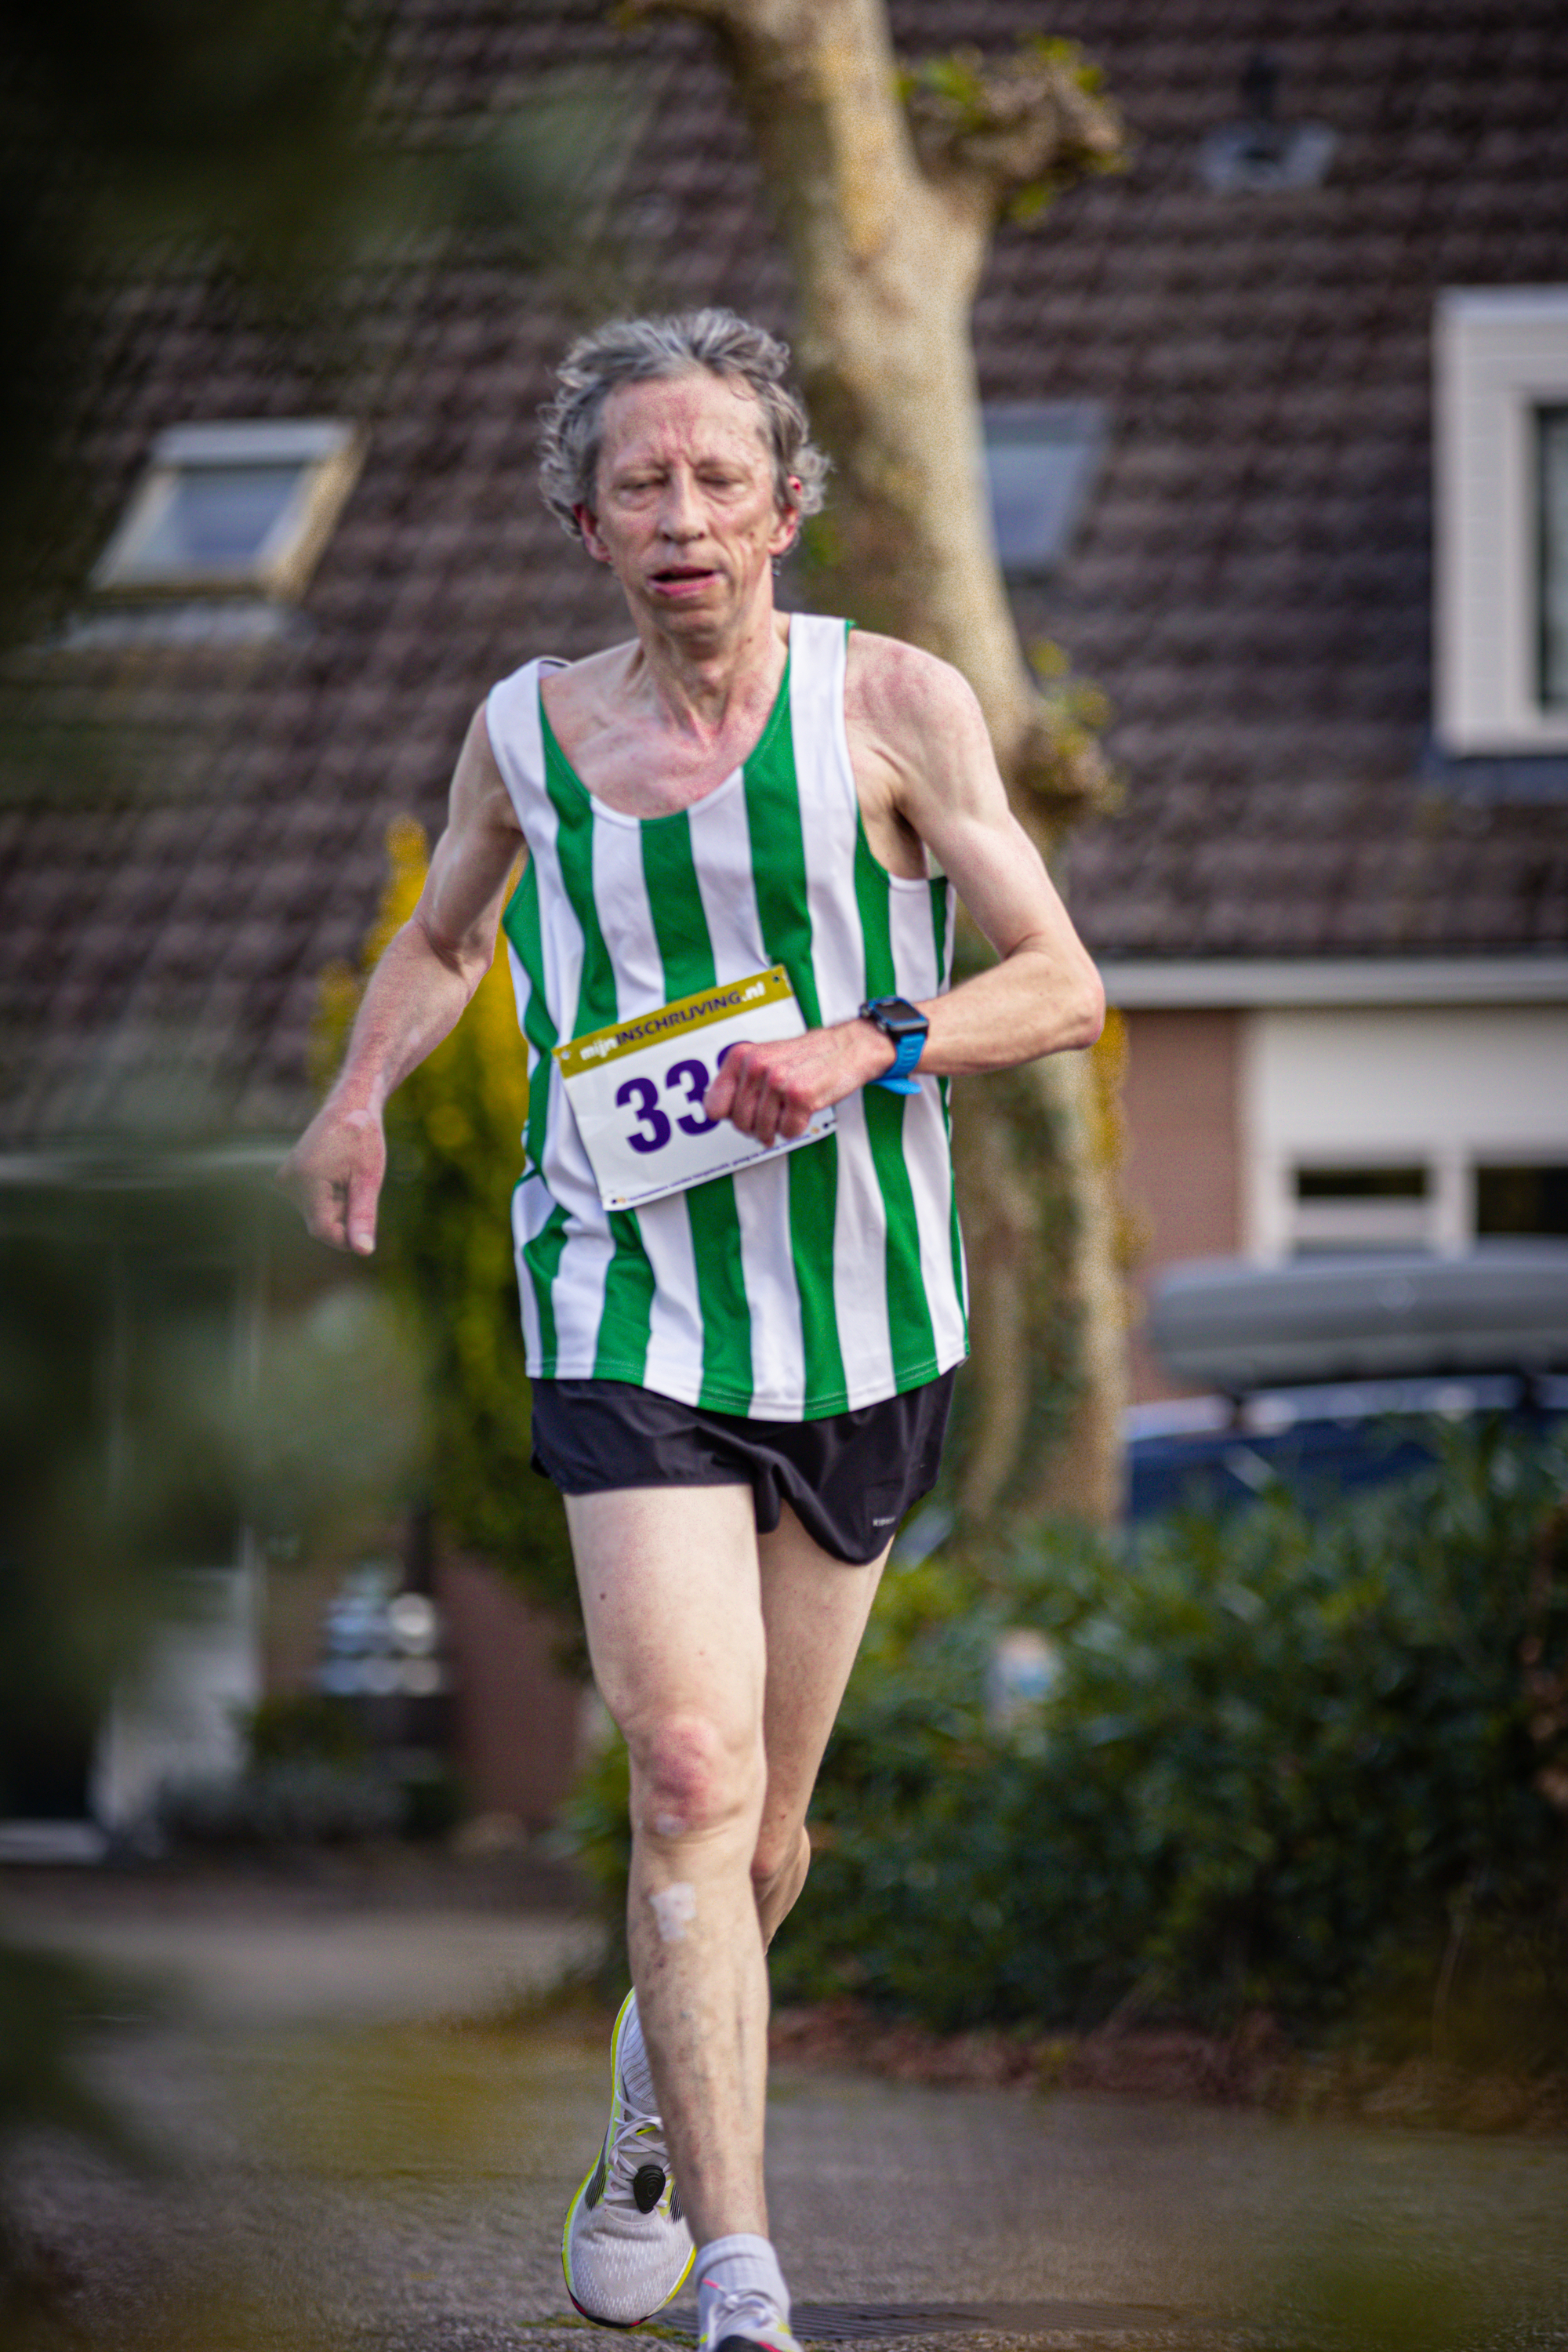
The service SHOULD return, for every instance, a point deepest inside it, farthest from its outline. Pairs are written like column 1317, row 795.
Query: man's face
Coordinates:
column 687, row 518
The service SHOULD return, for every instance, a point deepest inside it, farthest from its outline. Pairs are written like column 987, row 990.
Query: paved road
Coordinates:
column 395, row 2185
column 342, row 1966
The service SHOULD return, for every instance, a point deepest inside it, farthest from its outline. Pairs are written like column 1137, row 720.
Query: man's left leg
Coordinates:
column 815, row 1610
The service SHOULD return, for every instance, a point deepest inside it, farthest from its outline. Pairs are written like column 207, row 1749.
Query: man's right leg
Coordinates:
column 669, row 1583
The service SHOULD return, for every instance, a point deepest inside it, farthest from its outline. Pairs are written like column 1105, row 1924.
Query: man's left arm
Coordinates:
column 916, row 721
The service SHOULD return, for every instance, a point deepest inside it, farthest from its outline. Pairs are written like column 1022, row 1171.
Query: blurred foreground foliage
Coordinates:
column 137, row 1437
column 147, row 1415
column 453, row 1137
column 257, row 156
column 1291, row 1758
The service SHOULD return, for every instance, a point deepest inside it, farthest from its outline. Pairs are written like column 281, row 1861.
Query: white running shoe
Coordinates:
column 745, row 2321
column 626, row 2247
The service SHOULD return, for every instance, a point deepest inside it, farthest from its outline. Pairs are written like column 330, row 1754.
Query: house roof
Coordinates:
column 1250, row 581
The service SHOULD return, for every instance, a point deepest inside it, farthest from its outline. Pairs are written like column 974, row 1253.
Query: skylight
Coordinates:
column 232, row 508
column 1260, row 154
column 1041, row 459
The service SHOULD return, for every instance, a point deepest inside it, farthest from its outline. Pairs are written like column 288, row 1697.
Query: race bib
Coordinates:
column 637, row 1089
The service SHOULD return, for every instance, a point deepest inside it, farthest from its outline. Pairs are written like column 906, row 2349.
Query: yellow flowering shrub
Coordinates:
column 454, row 1131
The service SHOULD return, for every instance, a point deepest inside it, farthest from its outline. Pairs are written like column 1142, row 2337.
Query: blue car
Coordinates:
column 1329, row 1372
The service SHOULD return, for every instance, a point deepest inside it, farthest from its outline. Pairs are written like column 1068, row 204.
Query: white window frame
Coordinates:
column 329, row 456
column 1501, row 353
column 1379, row 1223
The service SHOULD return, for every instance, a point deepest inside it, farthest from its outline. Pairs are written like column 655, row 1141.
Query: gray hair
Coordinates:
column 636, row 350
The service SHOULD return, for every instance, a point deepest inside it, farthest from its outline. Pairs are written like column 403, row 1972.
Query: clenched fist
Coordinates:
column 769, row 1090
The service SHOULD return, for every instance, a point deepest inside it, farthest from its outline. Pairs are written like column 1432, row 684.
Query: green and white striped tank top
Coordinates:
column 825, row 1280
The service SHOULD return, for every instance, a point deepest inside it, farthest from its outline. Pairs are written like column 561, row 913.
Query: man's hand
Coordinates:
column 427, row 974
column 772, row 1091
column 335, row 1172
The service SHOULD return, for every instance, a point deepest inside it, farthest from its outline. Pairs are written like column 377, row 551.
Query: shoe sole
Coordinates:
column 625, row 2326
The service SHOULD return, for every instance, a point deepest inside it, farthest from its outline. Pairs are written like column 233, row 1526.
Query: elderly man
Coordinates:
column 742, row 1279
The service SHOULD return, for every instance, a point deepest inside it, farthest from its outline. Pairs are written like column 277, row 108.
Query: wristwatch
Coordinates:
column 906, row 1026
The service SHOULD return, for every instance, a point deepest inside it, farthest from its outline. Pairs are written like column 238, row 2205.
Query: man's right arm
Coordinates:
column 415, row 996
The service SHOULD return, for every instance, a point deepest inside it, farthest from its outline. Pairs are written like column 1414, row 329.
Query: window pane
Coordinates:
column 1041, row 459
column 1033, row 497
column 1553, row 466
column 1361, row 1183
column 1522, row 1200
column 219, row 520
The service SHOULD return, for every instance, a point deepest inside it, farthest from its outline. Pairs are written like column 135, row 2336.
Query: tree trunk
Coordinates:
column 1084, row 1474
column 889, row 203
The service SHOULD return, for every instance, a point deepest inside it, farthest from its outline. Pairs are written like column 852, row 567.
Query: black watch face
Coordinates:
column 897, row 1017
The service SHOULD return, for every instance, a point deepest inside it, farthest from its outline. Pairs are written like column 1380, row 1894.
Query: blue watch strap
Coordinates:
column 897, row 1080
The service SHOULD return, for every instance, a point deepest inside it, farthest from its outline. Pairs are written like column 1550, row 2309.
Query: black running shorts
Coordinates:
column 849, row 1478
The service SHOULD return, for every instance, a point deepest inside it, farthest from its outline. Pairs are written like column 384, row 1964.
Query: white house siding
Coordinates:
column 1446, row 1087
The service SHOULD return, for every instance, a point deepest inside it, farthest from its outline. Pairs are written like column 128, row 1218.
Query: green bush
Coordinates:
column 313, row 1727
column 1287, row 1756
column 314, row 1778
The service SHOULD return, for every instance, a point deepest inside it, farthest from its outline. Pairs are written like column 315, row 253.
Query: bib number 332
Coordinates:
column 641, row 1095
column 636, row 1090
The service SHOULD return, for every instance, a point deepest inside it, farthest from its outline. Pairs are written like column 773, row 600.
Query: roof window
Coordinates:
column 1260, row 154
column 1042, row 458
column 232, row 510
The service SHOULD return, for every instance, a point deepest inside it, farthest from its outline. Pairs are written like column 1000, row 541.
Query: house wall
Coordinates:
column 518, row 1721
column 1225, row 1106
column 1182, row 1180
column 519, row 1718
column 179, row 1715
column 1444, row 1087
column 297, row 1600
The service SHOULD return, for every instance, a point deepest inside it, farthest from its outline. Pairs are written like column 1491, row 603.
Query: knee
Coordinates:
column 692, row 1774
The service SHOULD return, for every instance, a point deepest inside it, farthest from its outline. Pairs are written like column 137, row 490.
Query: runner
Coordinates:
column 741, row 1273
